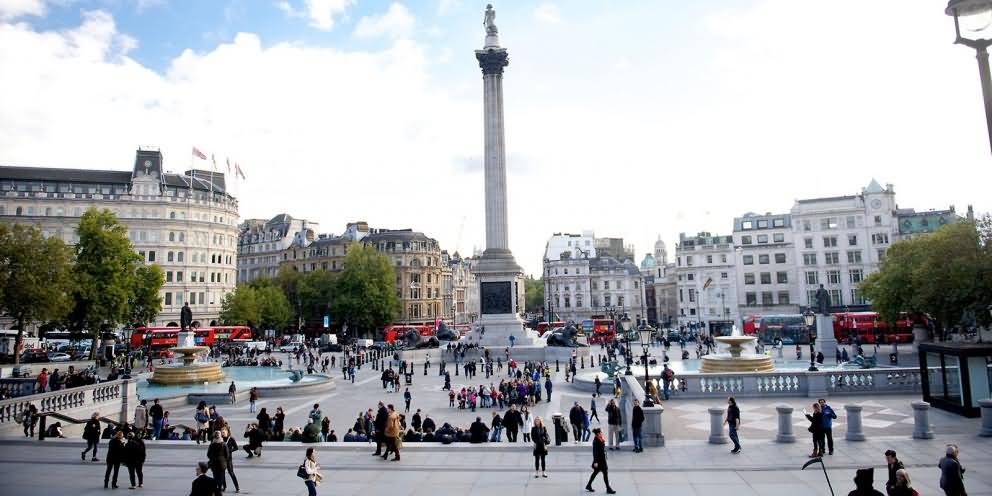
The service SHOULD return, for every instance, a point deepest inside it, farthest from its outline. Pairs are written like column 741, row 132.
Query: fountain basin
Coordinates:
column 730, row 363
column 196, row 373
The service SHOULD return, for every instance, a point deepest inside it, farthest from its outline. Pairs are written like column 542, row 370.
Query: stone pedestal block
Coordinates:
column 921, row 420
column 653, row 432
column 854, row 428
column 717, row 435
column 785, row 434
column 986, row 405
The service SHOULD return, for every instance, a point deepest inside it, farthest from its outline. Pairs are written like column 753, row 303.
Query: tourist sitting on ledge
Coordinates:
column 54, row 430
column 295, row 435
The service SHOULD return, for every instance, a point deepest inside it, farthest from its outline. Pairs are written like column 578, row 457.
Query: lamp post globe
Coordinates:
column 625, row 325
column 808, row 319
column 976, row 17
column 644, row 335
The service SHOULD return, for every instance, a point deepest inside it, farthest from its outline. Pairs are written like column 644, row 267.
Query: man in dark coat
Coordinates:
column 478, row 431
column 636, row 421
column 864, row 478
column 91, row 433
column 203, row 484
column 951, row 473
column 381, row 417
column 512, row 420
column 599, row 461
column 893, row 465
column 577, row 417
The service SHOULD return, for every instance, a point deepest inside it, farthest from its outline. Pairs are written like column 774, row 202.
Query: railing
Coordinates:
column 63, row 400
column 799, row 383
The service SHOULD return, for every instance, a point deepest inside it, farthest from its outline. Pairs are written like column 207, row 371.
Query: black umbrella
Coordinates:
column 820, row 461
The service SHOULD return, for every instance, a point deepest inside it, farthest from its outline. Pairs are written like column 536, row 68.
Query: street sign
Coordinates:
column 327, row 321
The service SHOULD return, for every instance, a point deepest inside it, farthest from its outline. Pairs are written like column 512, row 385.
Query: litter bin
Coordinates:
column 561, row 435
column 894, row 358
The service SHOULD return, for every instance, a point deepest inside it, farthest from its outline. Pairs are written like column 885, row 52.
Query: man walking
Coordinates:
column 828, row 424
column 381, row 418
column 512, row 420
column 951, row 473
column 636, row 421
column 592, row 409
column 158, row 415
column 598, row 385
column 576, row 417
column 91, row 433
column 407, row 397
column 614, row 423
column 141, row 418
column 733, row 421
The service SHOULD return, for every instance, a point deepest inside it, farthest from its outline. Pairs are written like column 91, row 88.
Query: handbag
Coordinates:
column 301, row 472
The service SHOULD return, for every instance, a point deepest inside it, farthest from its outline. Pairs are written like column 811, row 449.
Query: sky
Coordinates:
column 634, row 119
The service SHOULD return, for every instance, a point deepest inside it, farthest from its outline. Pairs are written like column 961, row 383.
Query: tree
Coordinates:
column 145, row 302
column 947, row 274
column 240, row 307
column 365, row 292
column 35, row 277
column 289, row 281
column 316, row 291
column 105, row 273
column 533, row 294
column 273, row 308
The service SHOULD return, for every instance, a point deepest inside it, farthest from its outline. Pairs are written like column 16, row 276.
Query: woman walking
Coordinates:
column 232, row 446
column 217, row 455
column 393, row 430
column 904, row 486
column 134, row 452
column 115, row 455
column 599, row 462
column 313, row 472
column 541, row 441
column 202, row 418
column 816, row 429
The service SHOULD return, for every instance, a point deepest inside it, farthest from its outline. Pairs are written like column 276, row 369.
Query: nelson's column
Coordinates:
column 500, row 278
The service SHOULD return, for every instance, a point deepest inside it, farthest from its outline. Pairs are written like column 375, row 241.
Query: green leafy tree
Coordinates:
column 533, row 294
column 273, row 308
column 35, row 277
column 316, row 292
column 240, row 307
column 365, row 292
column 105, row 273
column 288, row 280
column 145, row 303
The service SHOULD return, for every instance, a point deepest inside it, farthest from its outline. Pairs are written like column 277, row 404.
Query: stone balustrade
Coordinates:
column 111, row 399
column 799, row 383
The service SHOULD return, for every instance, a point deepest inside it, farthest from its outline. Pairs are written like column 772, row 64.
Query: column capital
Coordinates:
column 492, row 60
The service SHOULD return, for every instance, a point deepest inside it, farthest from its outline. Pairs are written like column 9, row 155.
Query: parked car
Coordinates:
column 288, row 348
column 34, row 355
column 59, row 357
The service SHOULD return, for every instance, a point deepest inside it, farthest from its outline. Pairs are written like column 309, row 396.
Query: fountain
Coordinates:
column 189, row 371
column 740, row 355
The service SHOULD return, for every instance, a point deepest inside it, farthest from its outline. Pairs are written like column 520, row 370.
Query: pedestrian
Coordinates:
column 202, row 419
column 636, row 421
column 381, row 417
column 316, row 414
column 599, row 462
column 894, row 465
column 233, row 391
column 828, row 424
column 598, row 385
column 157, row 415
column 393, row 433
column 407, row 397
column 325, row 429
column 547, row 388
column 312, row 470
column 903, row 486
column 733, row 421
column 816, row 429
column 134, row 454
column 613, row 423
column 91, row 433
column 255, row 437
column 528, row 423
column 864, row 480
column 203, row 484
column 497, row 428
column 594, row 414
column 232, row 446
column 30, row 420
column 217, row 454
column 252, row 398
column 575, row 418
column 951, row 472
column 512, row 420
column 141, row 418
column 539, row 435
column 115, row 455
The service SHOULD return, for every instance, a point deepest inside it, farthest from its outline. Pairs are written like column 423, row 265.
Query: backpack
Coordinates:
column 201, row 417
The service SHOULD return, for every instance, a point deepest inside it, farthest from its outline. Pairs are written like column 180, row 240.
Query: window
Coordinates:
column 745, row 240
column 807, row 226
column 812, row 278
column 179, row 257
column 179, row 276
column 688, row 260
column 172, row 236
column 709, row 259
column 168, row 276
column 168, row 299
column 856, row 297
column 828, row 223
column 778, row 238
column 854, row 256
column 881, row 254
column 751, row 299
column 690, row 277
column 835, row 298
column 749, row 278
column 850, row 222
column 723, row 275
column 880, row 239
column 782, row 277
column 766, row 278
column 723, row 258
column 201, row 298
column 832, row 257
column 808, row 243
column 692, row 295
column 763, row 224
column 766, row 298
column 748, row 259
column 762, row 239
column 809, row 258
column 811, row 297
column 829, row 241
column 568, row 301
column 783, row 297
column 606, row 285
column 878, row 220
column 833, row 277
column 780, row 258
column 852, row 240
column 151, row 256
column 778, row 222
column 169, row 256
column 857, row 275
column 763, row 259
column 747, row 225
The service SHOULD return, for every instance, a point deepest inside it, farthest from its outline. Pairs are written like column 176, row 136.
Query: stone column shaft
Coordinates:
column 495, row 163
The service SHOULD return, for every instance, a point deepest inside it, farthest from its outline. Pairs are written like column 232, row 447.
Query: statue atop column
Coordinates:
column 185, row 317
column 490, row 20
column 822, row 301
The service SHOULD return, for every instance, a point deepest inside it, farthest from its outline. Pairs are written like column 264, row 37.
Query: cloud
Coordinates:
column 547, row 13
column 10, row 9
column 323, row 14
column 143, row 5
column 397, row 22
column 445, row 7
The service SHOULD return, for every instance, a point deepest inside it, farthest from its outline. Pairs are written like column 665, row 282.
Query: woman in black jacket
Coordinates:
column 599, row 461
column 539, row 434
column 816, row 429
column 232, row 446
column 217, row 458
column 135, row 455
column 264, row 422
column 115, row 455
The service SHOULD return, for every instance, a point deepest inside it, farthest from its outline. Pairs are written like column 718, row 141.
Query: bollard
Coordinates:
column 557, row 368
column 921, row 420
column 986, row 406
column 785, row 434
column 583, row 362
column 456, row 369
column 854, row 432
column 716, row 426
column 425, row 368
column 382, row 365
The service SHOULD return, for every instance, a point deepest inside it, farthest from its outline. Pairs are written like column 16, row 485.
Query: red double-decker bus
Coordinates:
column 232, row 334
column 862, row 325
column 160, row 339
column 390, row 332
column 603, row 331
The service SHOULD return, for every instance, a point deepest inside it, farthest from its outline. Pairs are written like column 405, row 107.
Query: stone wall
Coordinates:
column 114, row 400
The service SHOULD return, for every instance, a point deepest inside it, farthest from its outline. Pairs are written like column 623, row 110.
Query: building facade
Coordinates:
column 417, row 261
column 766, row 272
column 262, row 243
column 660, row 287
column 706, row 282
column 186, row 223
column 459, row 289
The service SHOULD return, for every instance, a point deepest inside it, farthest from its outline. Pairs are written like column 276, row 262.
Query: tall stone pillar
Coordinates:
column 501, row 285
column 825, row 339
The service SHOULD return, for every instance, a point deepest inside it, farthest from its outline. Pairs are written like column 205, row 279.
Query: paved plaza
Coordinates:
column 686, row 465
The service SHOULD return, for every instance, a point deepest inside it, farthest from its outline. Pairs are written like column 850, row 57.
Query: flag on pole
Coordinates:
column 237, row 169
column 228, row 165
column 198, row 154
column 708, row 283
column 213, row 161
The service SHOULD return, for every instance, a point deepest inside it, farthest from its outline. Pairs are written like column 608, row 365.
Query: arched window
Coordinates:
column 172, row 236
column 172, row 215
column 169, row 257
column 19, row 211
column 179, row 257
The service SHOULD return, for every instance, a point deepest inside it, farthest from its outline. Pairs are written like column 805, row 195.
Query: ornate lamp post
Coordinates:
column 625, row 325
column 644, row 333
column 808, row 318
column 976, row 15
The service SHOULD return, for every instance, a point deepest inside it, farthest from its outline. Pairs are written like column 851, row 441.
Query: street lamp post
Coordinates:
column 976, row 16
column 625, row 324
column 808, row 318
column 644, row 333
